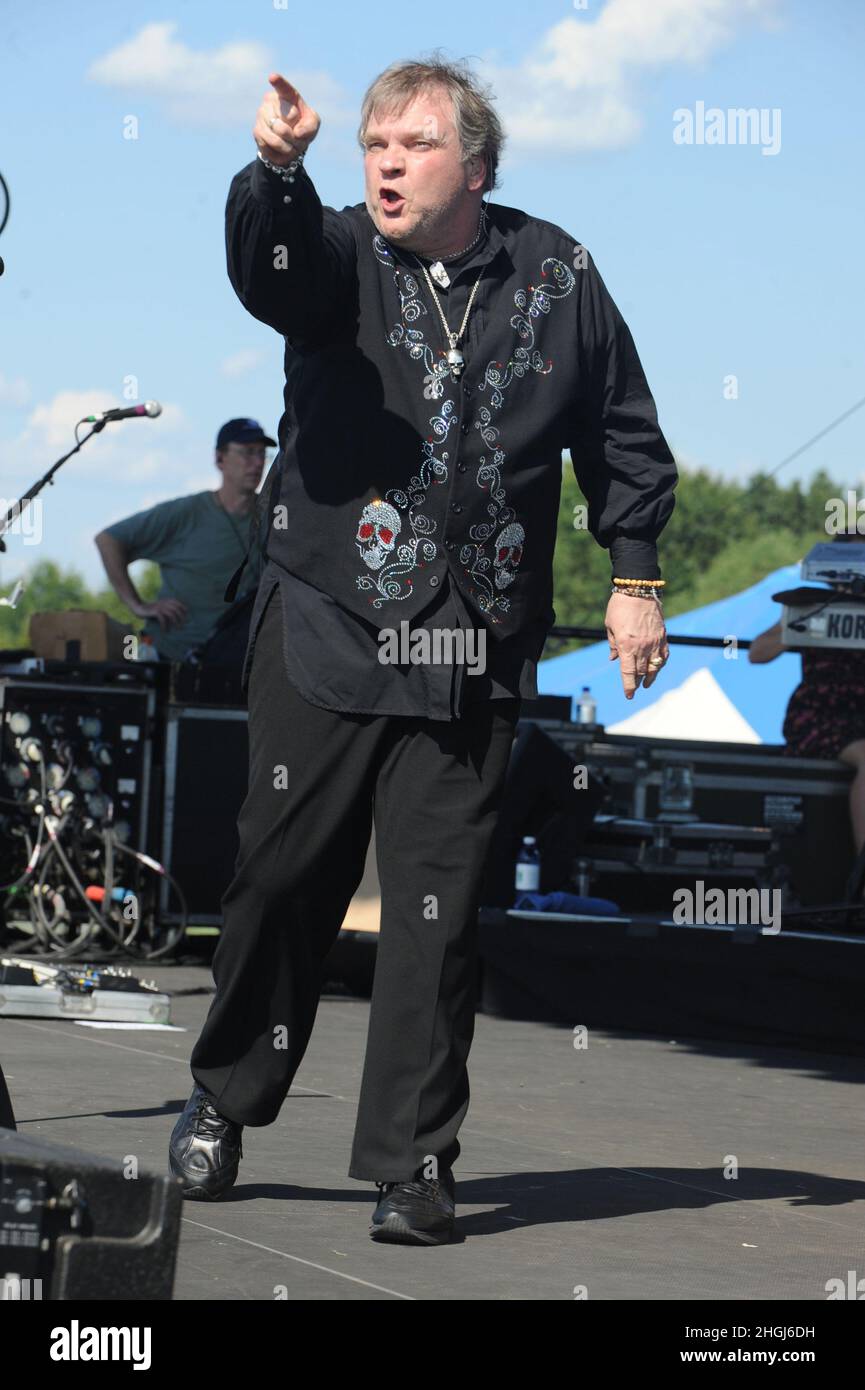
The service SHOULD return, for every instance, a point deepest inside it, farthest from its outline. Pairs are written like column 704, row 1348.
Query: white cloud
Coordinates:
column 244, row 361
column 125, row 451
column 579, row 88
column 207, row 87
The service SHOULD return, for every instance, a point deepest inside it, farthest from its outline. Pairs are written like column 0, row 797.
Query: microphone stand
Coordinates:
column 18, row 507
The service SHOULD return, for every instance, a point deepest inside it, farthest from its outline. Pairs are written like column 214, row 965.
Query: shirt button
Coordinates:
column 433, row 581
column 461, row 468
column 449, row 545
column 467, row 389
column 455, row 507
column 465, row 428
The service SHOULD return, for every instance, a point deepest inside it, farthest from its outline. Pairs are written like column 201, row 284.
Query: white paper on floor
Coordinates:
column 151, row 1027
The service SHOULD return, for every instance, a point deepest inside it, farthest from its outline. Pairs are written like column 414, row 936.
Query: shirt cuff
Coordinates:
column 632, row 559
column 272, row 189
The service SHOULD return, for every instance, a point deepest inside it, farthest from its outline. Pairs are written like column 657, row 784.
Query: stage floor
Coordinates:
column 600, row 1168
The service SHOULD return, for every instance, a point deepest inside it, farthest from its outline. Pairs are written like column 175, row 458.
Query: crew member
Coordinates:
column 198, row 542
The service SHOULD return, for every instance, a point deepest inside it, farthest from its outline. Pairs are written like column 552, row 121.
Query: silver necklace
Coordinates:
column 437, row 270
column 454, row 362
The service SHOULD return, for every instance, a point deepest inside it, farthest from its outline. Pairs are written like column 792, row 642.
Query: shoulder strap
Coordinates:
column 270, row 486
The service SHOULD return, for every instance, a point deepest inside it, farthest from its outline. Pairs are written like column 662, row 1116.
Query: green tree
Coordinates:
column 723, row 536
column 50, row 589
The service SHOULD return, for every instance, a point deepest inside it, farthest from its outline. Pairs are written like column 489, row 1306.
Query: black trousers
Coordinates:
column 317, row 782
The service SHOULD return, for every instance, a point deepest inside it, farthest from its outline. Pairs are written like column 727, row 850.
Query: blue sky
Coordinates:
column 724, row 260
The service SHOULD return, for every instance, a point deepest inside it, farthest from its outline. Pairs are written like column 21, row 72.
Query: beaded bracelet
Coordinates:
column 641, row 588
column 637, row 592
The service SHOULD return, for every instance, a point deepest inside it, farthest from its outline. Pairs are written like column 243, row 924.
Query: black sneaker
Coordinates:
column 420, row 1212
column 205, row 1149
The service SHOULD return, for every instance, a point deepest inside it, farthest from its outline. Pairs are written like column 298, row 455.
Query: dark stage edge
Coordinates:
column 599, row 1167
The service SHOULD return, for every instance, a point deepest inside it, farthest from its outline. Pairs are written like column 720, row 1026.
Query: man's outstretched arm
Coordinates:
column 291, row 261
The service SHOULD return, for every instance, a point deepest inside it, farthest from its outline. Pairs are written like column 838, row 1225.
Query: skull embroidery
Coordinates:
column 509, row 552
column 377, row 531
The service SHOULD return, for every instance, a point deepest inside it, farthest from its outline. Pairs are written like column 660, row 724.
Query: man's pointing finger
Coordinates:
column 284, row 89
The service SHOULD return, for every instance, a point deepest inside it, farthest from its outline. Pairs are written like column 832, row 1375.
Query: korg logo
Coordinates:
column 846, row 625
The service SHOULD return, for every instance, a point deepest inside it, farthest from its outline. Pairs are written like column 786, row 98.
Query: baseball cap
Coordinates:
column 242, row 431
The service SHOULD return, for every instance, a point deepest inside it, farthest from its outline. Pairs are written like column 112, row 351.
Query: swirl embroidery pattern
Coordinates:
column 381, row 524
column 411, row 309
column 494, row 575
column 390, row 560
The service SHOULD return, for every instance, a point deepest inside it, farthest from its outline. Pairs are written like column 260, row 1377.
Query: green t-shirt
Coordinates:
column 197, row 546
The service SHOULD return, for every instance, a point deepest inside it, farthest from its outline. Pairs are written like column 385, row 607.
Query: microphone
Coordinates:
column 149, row 408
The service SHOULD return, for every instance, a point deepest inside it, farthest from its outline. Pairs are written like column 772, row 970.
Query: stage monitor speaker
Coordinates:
column 206, row 776
column 74, row 1226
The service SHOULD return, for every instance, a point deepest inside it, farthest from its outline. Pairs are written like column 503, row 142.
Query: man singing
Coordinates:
column 440, row 354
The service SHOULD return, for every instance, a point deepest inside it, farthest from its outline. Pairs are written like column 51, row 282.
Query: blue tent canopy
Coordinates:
column 759, row 693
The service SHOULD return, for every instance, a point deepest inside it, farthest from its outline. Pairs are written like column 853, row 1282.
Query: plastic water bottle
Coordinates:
column 146, row 649
column 587, row 710
column 528, row 874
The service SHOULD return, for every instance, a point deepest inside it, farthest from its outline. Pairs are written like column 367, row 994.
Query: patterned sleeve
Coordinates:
column 292, row 264
column 620, row 458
